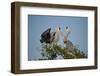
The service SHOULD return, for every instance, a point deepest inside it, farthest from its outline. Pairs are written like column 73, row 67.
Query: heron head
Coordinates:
column 58, row 27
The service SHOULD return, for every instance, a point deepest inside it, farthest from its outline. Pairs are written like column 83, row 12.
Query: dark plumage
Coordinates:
column 47, row 36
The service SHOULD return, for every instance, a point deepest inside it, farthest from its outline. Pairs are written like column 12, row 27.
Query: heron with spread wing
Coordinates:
column 55, row 37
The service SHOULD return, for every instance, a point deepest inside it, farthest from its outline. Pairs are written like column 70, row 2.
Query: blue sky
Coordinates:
column 37, row 24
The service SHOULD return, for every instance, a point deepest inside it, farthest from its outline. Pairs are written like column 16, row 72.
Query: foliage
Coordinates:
column 53, row 51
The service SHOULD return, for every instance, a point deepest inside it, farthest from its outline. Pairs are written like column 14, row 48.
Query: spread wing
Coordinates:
column 45, row 36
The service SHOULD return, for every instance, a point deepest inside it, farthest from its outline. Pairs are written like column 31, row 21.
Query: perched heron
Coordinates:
column 57, row 35
column 66, row 34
